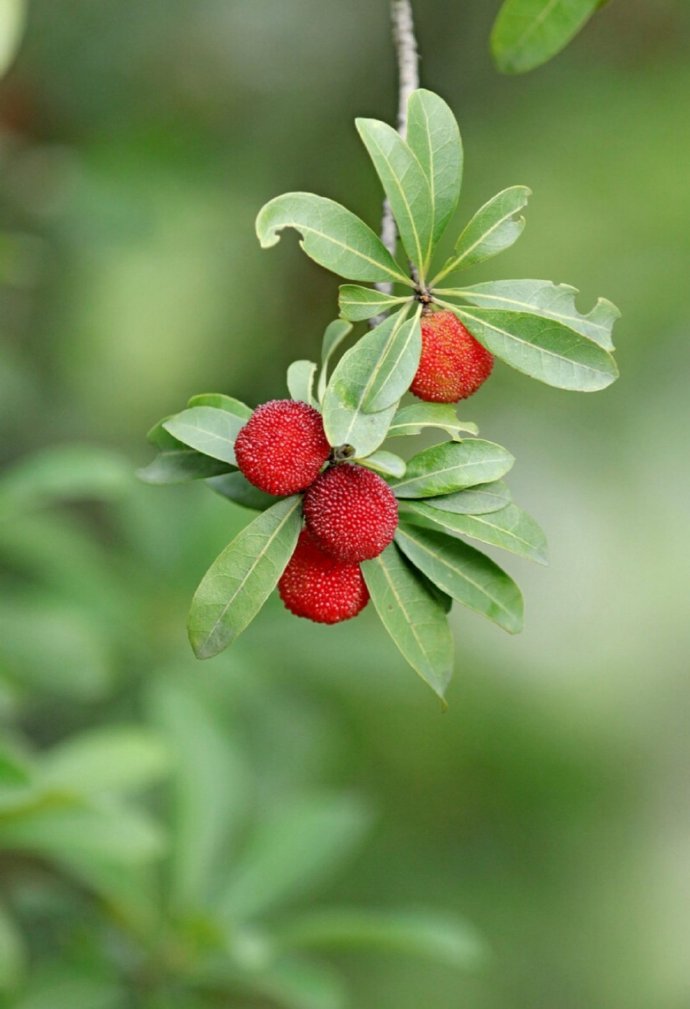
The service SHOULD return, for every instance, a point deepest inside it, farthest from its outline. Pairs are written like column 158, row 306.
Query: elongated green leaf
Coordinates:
column 493, row 228
column 412, row 419
column 180, row 466
column 465, row 574
column 360, row 303
column 405, row 185
column 161, row 438
column 333, row 236
column 396, row 365
column 209, row 791
column 527, row 33
column 12, row 22
column 510, row 528
column 300, row 381
column 439, row 937
column 479, row 500
column 385, row 462
column 413, row 616
column 237, row 488
column 220, row 401
column 541, row 348
column 434, row 138
column 114, row 758
column 550, row 301
column 242, row 577
column 363, row 370
column 452, row 466
column 292, row 851
column 208, row 430
column 333, row 336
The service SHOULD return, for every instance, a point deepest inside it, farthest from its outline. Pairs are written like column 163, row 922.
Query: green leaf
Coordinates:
column 300, row 381
column 510, row 528
column 208, row 430
column 547, row 300
column 242, row 577
column 405, row 185
column 109, row 759
column 180, row 466
column 541, row 348
column 159, row 437
column 238, row 489
column 413, row 419
column 413, row 616
column 13, row 955
column 452, row 466
column 527, row 33
column 333, row 336
column 360, row 303
column 209, row 790
column 291, row 852
column 333, row 236
column 12, row 22
column 465, row 574
column 64, row 473
column 434, row 139
column 479, row 500
column 219, row 401
column 385, row 462
column 439, row 937
column 367, row 373
column 492, row 229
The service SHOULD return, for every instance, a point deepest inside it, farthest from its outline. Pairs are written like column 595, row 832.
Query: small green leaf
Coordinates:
column 242, row 577
column 479, row 500
column 180, row 466
column 219, row 401
column 511, row 528
column 547, row 300
column 360, row 303
column 492, row 229
column 208, row 430
column 453, row 466
column 434, row 138
column 527, row 33
column 333, row 336
column 405, row 185
column 109, row 759
column 465, row 574
column 413, row 616
column 333, row 236
column 300, row 381
column 291, row 851
column 413, row 419
column 365, row 373
column 430, row 934
column 397, row 362
column 384, row 462
column 541, row 348
column 238, row 489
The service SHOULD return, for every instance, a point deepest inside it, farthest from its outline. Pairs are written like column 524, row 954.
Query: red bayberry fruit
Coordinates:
column 317, row 586
column 453, row 364
column 352, row 512
column 282, row 447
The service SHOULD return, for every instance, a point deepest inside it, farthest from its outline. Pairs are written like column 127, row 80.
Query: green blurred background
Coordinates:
column 549, row 807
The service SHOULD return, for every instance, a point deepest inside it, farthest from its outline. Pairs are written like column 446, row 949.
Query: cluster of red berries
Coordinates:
column 350, row 512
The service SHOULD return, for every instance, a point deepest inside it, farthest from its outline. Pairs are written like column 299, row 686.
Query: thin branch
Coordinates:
column 407, row 55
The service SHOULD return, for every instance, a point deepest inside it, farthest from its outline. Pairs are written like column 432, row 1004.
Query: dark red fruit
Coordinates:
column 453, row 364
column 282, row 447
column 352, row 512
column 317, row 586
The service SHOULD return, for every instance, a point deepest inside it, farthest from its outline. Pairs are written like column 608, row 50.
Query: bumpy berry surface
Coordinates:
column 282, row 447
column 453, row 364
column 352, row 512
column 317, row 586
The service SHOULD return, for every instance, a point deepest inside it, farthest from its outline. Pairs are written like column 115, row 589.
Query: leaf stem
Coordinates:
column 405, row 43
